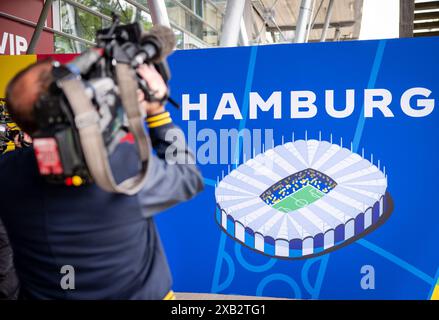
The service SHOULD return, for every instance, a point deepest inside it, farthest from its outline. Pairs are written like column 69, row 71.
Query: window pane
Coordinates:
column 191, row 23
column 78, row 22
column 66, row 45
column 200, row 18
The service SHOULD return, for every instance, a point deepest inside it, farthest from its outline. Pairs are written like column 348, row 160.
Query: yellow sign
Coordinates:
column 10, row 66
column 435, row 295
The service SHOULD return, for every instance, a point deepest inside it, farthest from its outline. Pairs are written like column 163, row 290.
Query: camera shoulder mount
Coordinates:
column 92, row 143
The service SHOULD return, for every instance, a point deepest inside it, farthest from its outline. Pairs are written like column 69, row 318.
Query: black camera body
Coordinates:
column 57, row 142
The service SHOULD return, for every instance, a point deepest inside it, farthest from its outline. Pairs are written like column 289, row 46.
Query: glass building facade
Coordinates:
column 196, row 23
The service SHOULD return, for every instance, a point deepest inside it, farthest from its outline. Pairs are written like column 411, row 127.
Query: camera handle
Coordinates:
column 93, row 147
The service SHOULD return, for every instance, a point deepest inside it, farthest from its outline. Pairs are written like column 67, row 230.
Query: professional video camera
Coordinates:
column 92, row 103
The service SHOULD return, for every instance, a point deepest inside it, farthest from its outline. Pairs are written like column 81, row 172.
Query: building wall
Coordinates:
column 73, row 23
column 15, row 36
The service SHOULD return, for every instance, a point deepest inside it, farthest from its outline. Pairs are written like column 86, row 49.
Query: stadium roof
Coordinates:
column 281, row 18
column 270, row 21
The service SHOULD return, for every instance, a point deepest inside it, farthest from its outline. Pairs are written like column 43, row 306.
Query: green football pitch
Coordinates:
column 299, row 199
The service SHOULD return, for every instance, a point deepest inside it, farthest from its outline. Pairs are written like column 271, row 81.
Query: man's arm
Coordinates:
column 173, row 176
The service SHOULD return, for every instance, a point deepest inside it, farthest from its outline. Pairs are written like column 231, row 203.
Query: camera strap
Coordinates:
column 92, row 142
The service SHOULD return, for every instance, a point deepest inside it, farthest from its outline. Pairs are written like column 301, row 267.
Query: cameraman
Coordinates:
column 110, row 240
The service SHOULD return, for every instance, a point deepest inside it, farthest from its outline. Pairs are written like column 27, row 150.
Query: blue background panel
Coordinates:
column 403, row 252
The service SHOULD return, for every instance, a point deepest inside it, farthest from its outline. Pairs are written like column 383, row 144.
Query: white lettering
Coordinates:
column 11, row 44
column 20, row 45
column 350, row 104
column 4, row 41
column 426, row 104
column 201, row 107
column 275, row 101
column 222, row 110
column 383, row 105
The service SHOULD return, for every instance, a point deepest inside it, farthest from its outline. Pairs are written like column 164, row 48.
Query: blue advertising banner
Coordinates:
column 320, row 164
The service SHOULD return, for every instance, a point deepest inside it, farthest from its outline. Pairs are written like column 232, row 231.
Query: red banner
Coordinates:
column 15, row 36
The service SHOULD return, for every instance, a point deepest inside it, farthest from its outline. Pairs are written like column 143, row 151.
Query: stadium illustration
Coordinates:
column 302, row 199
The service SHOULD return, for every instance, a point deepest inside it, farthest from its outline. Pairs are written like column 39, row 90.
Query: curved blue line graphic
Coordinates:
column 248, row 85
column 356, row 141
column 279, row 277
column 314, row 291
column 222, row 254
column 209, row 182
column 370, row 85
column 360, row 124
column 251, row 267
column 245, row 102
column 398, row 261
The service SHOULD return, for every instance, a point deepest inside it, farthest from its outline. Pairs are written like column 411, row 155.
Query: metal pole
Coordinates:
column 39, row 27
column 316, row 14
column 303, row 20
column 406, row 17
column 327, row 20
column 309, row 27
column 231, row 23
column 243, row 36
column 158, row 12
column 337, row 34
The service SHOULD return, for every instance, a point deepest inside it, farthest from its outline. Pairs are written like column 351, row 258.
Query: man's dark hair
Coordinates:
column 24, row 90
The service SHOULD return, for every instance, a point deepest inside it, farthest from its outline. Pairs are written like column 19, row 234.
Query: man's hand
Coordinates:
column 156, row 84
column 26, row 138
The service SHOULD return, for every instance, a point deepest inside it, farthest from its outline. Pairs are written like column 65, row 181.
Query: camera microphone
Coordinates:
column 156, row 45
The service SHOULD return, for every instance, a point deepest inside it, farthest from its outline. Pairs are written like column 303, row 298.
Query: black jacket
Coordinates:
column 110, row 240
column 8, row 278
